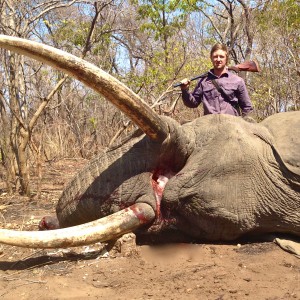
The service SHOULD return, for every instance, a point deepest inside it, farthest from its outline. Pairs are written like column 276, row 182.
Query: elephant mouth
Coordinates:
column 159, row 180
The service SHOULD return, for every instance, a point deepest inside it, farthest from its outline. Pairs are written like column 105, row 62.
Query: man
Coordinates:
column 220, row 91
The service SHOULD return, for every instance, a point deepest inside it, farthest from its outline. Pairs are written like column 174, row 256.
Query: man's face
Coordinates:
column 218, row 59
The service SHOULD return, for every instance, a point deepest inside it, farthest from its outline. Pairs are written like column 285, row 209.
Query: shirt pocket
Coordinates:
column 209, row 92
column 230, row 90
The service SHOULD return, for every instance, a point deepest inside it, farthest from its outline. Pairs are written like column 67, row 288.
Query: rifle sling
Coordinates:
column 225, row 96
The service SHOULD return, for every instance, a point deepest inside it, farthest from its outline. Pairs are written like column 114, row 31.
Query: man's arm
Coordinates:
column 191, row 100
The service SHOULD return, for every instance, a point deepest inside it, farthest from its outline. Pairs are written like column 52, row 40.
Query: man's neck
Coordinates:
column 219, row 72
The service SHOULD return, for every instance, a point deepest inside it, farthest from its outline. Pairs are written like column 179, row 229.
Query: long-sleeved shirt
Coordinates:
column 213, row 101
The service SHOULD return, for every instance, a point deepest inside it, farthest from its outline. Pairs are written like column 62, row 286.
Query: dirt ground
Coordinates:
column 177, row 271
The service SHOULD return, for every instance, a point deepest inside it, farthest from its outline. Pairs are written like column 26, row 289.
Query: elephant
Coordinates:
column 216, row 178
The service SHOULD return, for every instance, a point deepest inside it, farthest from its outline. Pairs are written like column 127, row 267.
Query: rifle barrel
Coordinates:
column 247, row 66
column 194, row 78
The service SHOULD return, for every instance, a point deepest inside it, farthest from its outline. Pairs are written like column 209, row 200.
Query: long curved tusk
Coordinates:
column 107, row 228
column 116, row 92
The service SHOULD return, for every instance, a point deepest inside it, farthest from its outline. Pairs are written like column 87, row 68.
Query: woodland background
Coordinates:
column 147, row 45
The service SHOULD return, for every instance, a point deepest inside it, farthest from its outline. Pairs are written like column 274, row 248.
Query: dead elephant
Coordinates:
column 217, row 178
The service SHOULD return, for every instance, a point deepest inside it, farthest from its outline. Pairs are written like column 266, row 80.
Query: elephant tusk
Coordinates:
column 104, row 229
column 115, row 91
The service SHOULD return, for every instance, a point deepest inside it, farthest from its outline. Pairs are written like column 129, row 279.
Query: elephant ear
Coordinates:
column 285, row 128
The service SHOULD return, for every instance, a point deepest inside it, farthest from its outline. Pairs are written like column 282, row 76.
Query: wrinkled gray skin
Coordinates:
column 228, row 177
column 237, row 178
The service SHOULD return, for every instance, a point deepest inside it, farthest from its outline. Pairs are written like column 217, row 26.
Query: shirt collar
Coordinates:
column 211, row 74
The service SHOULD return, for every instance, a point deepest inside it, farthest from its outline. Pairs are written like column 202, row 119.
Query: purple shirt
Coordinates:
column 213, row 102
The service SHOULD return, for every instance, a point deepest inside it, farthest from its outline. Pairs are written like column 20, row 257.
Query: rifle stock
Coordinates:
column 247, row 66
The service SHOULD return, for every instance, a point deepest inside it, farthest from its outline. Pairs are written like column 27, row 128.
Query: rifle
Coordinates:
column 247, row 66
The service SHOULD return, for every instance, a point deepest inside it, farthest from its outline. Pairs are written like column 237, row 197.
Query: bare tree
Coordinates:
column 16, row 93
column 278, row 51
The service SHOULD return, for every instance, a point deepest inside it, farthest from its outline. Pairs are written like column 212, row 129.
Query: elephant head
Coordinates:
column 215, row 178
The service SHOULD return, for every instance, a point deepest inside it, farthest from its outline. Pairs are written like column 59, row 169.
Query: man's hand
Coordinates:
column 184, row 84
